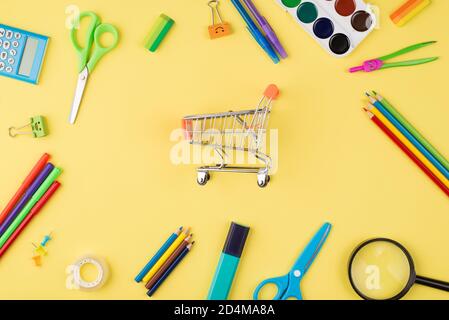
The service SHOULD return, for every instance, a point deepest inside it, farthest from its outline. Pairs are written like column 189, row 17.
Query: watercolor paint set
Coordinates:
column 338, row 25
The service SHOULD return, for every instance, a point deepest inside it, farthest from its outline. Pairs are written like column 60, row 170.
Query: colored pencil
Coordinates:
column 158, row 255
column 36, row 209
column 409, row 136
column 413, row 131
column 26, row 210
column 409, row 145
column 24, row 186
column 408, row 153
column 168, row 263
column 170, row 270
column 26, row 197
column 166, row 255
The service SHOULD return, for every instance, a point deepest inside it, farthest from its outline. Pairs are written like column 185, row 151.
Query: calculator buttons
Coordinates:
column 2, row 32
column 3, row 55
column 6, row 45
column 9, row 34
column 8, row 69
column 15, row 44
column 2, row 66
column 11, row 61
column 13, row 52
column 17, row 36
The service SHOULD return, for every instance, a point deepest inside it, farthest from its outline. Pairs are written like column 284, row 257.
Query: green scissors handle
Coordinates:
column 88, row 57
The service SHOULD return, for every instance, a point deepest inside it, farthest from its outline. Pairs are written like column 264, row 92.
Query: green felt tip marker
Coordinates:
column 160, row 29
column 26, row 210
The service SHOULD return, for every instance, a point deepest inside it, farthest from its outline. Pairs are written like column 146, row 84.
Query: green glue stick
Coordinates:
column 26, row 210
column 228, row 263
column 160, row 29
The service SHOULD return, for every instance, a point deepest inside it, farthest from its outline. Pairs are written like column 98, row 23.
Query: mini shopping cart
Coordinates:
column 234, row 130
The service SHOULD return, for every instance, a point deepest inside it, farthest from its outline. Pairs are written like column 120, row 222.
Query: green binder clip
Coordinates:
column 37, row 125
column 160, row 29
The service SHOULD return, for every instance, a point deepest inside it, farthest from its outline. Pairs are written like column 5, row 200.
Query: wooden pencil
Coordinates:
column 170, row 269
column 410, row 154
column 168, row 262
column 412, row 130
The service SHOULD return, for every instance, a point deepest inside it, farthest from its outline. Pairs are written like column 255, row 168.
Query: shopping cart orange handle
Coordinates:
column 271, row 92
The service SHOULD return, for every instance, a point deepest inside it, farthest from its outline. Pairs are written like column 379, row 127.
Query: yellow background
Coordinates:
column 121, row 196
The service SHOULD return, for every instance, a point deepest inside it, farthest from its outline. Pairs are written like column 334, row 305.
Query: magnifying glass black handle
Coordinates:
column 437, row 284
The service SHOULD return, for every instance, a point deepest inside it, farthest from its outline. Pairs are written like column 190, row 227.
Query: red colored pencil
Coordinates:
column 409, row 153
column 36, row 209
column 25, row 184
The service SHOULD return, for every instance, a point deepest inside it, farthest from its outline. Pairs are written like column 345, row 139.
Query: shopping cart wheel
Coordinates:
column 263, row 180
column 203, row 178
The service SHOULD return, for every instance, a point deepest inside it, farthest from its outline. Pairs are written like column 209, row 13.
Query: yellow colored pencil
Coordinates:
column 166, row 255
column 408, row 144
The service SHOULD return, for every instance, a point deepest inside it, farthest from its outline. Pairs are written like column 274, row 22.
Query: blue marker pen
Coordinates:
column 228, row 263
column 255, row 32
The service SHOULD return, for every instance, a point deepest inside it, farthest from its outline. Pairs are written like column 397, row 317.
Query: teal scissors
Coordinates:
column 88, row 56
column 288, row 285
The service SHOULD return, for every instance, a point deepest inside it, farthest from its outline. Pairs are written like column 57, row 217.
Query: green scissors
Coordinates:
column 88, row 56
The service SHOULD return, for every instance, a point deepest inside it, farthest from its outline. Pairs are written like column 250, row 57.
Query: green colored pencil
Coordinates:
column 413, row 131
column 26, row 210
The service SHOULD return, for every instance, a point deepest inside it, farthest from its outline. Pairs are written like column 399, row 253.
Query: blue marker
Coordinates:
column 255, row 32
column 158, row 255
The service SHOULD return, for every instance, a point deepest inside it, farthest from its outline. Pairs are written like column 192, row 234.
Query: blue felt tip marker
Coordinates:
column 228, row 263
column 255, row 32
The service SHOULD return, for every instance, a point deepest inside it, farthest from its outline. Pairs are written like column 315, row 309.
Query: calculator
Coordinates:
column 21, row 54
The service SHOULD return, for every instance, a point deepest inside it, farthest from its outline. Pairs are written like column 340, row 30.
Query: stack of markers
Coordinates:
column 409, row 140
column 165, row 260
column 33, row 194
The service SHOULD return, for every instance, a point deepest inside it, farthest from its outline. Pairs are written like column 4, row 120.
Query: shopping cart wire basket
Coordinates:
column 234, row 130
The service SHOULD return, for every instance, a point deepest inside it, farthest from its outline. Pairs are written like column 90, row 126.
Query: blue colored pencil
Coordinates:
column 158, row 255
column 409, row 136
column 170, row 269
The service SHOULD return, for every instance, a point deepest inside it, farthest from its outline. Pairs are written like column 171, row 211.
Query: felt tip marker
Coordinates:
column 228, row 263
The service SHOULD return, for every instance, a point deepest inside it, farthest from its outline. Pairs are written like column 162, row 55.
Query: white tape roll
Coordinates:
column 102, row 273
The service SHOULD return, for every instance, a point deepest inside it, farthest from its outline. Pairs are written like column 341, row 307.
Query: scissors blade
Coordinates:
column 82, row 81
column 309, row 254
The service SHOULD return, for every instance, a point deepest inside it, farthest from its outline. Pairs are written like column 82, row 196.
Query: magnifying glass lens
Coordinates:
column 380, row 270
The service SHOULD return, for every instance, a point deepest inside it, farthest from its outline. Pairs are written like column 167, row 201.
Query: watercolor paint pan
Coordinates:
column 339, row 26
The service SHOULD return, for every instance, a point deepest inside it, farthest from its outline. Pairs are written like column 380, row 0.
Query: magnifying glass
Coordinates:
column 382, row 269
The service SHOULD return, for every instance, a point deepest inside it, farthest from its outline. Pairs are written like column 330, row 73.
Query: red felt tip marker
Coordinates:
column 36, row 209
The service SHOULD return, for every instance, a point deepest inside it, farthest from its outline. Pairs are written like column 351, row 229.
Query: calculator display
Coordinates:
column 28, row 57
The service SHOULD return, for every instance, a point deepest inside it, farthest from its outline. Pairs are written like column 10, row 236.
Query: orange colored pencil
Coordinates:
column 408, row 152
